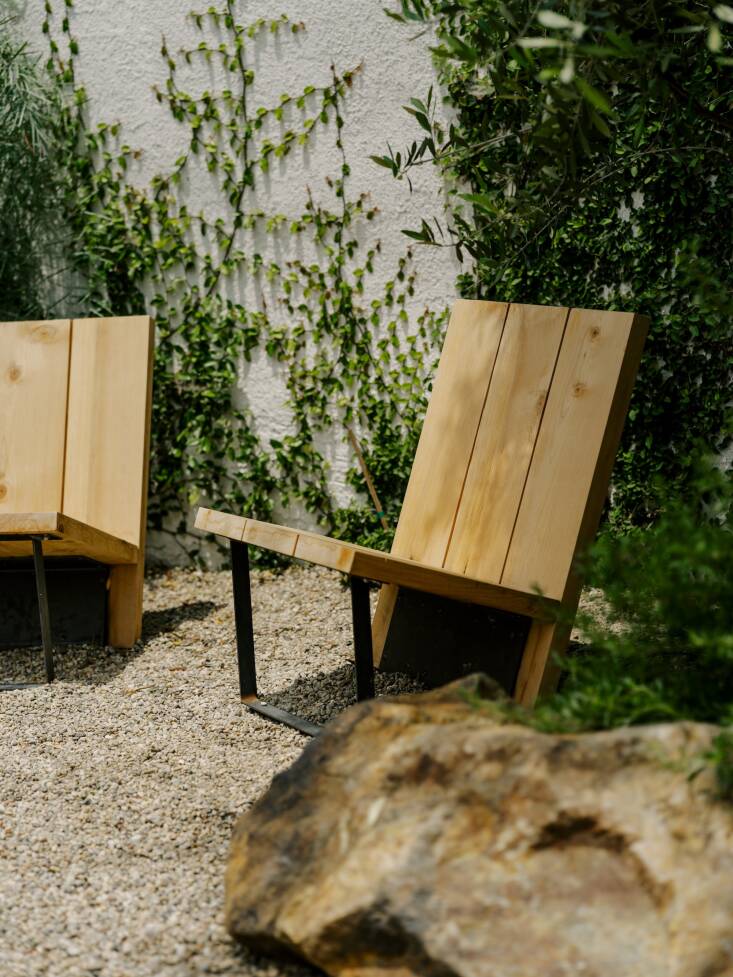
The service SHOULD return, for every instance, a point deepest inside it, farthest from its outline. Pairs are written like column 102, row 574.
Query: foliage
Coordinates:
column 28, row 169
column 587, row 161
column 665, row 650
column 220, row 298
column 721, row 756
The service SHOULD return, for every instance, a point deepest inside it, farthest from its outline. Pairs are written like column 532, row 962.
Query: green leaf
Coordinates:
column 556, row 21
column 541, row 42
column 715, row 39
column 592, row 95
column 482, row 200
column 383, row 161
column 724, row 12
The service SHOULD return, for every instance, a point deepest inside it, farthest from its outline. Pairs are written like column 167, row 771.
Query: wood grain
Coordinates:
column 449, row 431
column 381, row 567
column 446, row 444
column 21, row 523
column 573, row 453
column 277, row 539
column 505, row 441
column 34, row 373
column 108, row 448
column 108, row 423
column 219, row 523
column 72, row 538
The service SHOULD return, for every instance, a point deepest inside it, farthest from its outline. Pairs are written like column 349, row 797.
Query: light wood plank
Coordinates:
column 108, row 424
column 324, row 551
column 125, row 604
column 446, row 444
column 278, row 539
column 386, row 603
column 34, row 372
column 12, row 523
column 108, row 449
column 578, row 438
column 511, row 419
column 220, row 523
column 539, row 671
column 449, row 431
column 95, row 543
column 73, row 538
column 386, row 568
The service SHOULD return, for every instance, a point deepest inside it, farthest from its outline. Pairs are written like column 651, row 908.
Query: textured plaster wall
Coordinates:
column 119, row 63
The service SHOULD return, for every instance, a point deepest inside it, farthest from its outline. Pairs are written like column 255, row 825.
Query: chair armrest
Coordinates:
column 359, row 561
column 65, row 537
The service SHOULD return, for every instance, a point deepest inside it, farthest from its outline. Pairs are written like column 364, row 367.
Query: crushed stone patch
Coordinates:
column 121, row 782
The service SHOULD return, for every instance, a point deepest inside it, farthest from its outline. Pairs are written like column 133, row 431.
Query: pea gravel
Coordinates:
column 121, row 781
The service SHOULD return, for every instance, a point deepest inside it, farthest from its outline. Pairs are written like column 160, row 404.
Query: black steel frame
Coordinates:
column 39, row 566
column 362, row 627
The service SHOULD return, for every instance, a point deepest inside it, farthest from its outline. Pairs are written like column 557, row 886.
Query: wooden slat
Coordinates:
column 539, row 670
column 385, row 568
column 95, row 543
column 74, row 538
column 382, row 567
column 575, row 448
column 34, row 370
column 108, row 424
column 511, row 419
column 449, row 431
column 324, row 551
column 278, row 539
column 219, row 523
column 12, row 523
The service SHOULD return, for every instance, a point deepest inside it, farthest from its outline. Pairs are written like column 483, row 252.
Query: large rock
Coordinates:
column 418, row 837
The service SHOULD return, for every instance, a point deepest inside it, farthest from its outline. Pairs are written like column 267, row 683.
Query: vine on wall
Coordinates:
column 346, row 359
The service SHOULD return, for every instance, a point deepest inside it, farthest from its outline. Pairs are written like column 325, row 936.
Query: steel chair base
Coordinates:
column 361, row 620
column 281, row 716
column 43, row 613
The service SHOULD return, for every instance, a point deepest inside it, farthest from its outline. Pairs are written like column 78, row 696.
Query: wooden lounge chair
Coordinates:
column 75, row 401
column 507, row 486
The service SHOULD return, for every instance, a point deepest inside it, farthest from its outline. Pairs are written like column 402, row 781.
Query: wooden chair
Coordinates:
column 507, row 486
column 75, row 400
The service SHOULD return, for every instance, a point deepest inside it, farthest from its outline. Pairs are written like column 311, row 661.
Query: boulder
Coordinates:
column 421, row 836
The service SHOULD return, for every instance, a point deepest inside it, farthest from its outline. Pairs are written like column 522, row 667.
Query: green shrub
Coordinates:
column 663, row 650
column 587, row 163
column 28, row 178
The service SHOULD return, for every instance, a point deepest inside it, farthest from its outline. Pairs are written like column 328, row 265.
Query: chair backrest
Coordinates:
column 518, row 442
column 75, row 420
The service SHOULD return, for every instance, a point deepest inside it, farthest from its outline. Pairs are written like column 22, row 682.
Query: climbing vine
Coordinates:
column 220, row 298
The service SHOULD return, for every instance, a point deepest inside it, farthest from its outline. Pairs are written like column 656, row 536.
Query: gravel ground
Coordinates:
column 121, row 781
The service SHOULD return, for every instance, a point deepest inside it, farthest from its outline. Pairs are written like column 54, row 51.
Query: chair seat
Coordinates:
column 360, row 561
column 63, row 536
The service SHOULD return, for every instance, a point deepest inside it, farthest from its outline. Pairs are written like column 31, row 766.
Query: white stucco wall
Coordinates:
column 120, row 61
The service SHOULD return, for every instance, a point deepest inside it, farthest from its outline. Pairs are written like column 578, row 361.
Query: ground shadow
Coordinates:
column 167, row 620
column 94, row 664
column 287, row 966
column 320, row 697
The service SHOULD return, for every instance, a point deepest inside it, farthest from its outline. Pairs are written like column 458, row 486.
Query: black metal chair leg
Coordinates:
column 43, row 612
column 243, row 620
column 362, row 624
column 246, row 647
